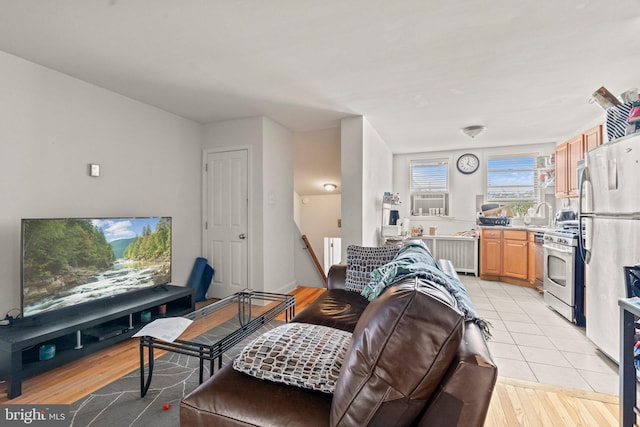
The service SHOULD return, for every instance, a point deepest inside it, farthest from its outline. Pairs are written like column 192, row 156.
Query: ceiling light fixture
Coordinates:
column 473, row 131
column 330, row 187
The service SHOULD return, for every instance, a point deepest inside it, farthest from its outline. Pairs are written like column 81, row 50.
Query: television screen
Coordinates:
column 66, row 262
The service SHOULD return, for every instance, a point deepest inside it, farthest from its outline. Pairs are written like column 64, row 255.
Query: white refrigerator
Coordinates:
column 610, row 214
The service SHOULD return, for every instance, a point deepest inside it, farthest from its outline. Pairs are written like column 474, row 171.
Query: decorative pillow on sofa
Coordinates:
column 297, row 354
column 362, row 260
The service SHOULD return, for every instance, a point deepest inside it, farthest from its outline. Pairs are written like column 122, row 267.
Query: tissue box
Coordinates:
column 391, row 230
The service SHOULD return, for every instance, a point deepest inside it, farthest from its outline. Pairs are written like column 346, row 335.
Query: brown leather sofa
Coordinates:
column 413, row 361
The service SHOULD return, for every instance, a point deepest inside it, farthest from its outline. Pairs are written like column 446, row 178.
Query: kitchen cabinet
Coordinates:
column 562, row 186
column 490, row 252
column 567, row 156
column 592, row 138
column 574, row 154
column 515, row 254
column 504, row 256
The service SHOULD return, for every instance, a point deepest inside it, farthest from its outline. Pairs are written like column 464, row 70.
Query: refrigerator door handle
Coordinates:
column 612, row 169
column 585, row 252
column 584, row 178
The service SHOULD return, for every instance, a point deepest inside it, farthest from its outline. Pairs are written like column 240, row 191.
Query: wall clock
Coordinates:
column 468, row 163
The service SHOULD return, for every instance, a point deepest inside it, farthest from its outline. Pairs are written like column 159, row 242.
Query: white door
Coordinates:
column 226, row 210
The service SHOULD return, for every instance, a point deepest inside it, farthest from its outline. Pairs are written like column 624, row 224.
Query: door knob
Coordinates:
column 242, row 236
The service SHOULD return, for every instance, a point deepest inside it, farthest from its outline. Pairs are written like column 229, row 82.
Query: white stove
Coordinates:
column 564, row 273
column 562, row 236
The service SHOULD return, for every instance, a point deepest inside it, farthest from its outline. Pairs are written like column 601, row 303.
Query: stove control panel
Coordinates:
column 561, row 237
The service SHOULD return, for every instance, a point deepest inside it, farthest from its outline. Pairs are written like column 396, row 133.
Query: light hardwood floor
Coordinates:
column 514, row 402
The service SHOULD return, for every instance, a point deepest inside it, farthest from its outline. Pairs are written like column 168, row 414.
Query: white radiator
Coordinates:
column 461, row 251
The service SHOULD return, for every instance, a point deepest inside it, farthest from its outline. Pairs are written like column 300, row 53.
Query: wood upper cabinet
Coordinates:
column 575, row 153
column 592, row 138
column 562, row 186
column 490, row 252
column 567, row 156
column 515, row 250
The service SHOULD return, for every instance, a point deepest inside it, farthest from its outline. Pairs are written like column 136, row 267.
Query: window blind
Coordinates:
column 511, row 179
column 430, row 175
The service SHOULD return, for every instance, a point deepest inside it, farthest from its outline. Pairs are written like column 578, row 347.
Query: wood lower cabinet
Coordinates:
column 504, row 256
column 491, row 253
column 515, row 249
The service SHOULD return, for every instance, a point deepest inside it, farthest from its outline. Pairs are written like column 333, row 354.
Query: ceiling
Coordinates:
column 418, row 70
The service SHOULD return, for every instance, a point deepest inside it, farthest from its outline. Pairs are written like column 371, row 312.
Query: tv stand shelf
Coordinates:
column 78, row 331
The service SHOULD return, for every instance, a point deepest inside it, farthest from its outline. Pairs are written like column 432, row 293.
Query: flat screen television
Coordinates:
column 72, row 261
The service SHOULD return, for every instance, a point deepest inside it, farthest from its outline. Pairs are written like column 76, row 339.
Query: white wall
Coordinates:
column 53, row 126
column 271, row 224
column 297, row 206
column 463, row 188
column 317, row 153
column 351, row 164
column 319, row 219
column 366, row 174
column 317, row 160
column 279, row 226
column 245, row 134
column 377, row 178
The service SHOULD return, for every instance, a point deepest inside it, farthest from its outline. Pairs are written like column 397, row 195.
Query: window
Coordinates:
column 430, row 187
column 512, row 181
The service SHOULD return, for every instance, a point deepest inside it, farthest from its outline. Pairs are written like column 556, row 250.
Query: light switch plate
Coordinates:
column 94, row 170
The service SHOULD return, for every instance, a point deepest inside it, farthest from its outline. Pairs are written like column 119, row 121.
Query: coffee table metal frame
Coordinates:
column 248, row 324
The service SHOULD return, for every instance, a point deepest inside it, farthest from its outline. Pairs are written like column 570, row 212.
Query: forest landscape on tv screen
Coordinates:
column 66, row 262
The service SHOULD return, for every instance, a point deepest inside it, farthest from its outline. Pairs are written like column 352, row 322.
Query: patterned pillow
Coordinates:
column 298, row 354
column 362, row 260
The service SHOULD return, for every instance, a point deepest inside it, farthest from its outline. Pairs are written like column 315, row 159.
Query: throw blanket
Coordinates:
column 415, row 260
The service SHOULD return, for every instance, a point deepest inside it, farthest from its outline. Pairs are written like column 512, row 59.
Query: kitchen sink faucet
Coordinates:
column 549, row 213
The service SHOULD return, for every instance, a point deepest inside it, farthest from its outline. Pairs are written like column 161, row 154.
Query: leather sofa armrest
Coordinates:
column 447, row 267
column 464, row 394
column 337, row 276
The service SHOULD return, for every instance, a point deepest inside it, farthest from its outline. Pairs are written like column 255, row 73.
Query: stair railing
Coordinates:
column 314, row 258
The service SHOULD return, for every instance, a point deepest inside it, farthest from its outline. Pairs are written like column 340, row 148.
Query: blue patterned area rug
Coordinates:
column 174, row 376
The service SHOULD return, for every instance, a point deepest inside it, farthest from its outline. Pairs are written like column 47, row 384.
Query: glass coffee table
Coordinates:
column 248, row 311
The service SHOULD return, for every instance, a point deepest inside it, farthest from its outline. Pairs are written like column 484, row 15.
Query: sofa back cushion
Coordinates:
column 362, row 260
column 400, row 350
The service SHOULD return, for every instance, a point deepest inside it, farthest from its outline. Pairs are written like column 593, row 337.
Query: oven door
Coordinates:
column 559, row 277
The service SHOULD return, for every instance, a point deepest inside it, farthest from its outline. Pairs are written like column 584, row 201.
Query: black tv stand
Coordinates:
column 78, row 332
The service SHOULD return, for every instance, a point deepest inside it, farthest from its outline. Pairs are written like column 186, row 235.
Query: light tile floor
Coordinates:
column 534, row 343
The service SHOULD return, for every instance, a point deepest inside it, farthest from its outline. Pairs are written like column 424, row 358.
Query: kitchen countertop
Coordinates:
column 517, row 227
